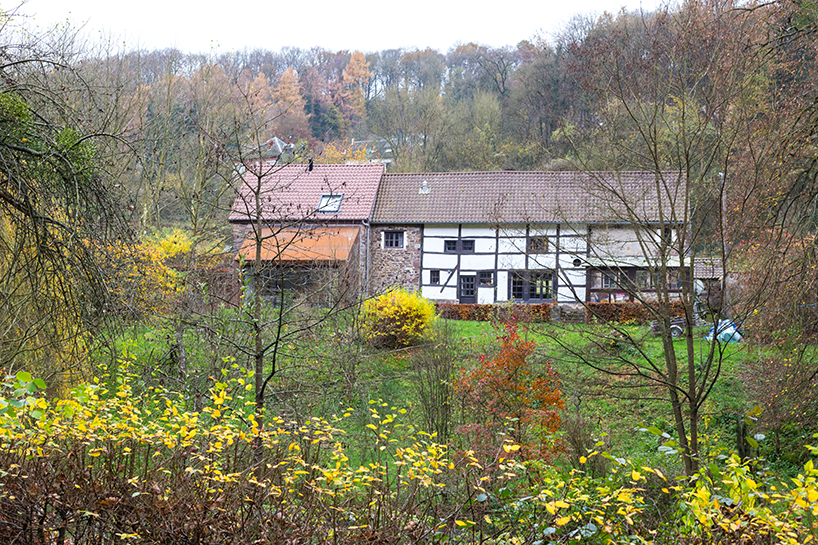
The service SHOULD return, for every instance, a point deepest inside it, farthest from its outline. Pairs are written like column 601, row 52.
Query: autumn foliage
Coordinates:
column 515, row 392
column 396, row 318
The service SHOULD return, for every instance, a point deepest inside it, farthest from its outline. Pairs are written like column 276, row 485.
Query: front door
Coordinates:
column 468, row 293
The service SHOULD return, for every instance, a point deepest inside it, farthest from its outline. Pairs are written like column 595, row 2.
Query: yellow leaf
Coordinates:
column 511, row 448
column 563, row 521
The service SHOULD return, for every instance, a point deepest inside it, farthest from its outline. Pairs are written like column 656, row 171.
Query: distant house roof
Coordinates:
column 293, row 193
column 708, row 268
column 528, row 197
column 319, row 245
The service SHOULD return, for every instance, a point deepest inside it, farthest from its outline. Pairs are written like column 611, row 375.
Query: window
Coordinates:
column 532, row 286
column 609, row 281
column 468, row 293
column 673, row 283
column 518, row 286
column 485, row 278
column 539, row 285
column 537, row 245
column 393, row 239
column 330, row 203
column 641, row 279
column 455, row 246
column 434, row 277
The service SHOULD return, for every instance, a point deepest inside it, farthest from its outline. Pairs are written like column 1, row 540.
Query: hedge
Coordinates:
column 628, row 312
column 540, row 312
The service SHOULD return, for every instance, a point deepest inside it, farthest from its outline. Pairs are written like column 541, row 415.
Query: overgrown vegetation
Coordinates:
column 222, row 417
column 397, row 318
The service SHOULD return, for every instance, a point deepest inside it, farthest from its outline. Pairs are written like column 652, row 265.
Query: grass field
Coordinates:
column 326, row 371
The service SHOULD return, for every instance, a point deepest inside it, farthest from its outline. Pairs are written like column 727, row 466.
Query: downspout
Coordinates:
column 366, row 267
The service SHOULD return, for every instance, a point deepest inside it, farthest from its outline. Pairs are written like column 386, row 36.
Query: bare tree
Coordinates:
column 674, row 99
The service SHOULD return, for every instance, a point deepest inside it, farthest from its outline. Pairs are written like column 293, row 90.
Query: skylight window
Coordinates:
column 330, row 203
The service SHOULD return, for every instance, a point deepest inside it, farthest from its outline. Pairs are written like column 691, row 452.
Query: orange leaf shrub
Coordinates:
column 511, row 390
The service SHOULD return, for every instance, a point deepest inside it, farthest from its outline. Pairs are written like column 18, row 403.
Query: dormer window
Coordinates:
column 330, row 203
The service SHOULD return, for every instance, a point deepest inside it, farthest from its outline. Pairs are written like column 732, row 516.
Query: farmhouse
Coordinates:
column 308, row 225
column 557, row 237
column 475, row 237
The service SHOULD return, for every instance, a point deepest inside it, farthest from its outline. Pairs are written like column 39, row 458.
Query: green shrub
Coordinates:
column 396, row 318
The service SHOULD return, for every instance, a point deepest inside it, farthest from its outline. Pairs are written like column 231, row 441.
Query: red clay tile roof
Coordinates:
column 708, row 268
column 293, row 193
column 320, row 245
column 523, row 197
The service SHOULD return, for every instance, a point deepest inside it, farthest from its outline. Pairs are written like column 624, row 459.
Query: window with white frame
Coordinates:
column 393, row 239
column 330, row 203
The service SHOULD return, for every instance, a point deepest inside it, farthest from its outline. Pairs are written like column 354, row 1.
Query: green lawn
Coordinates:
column 327, row 370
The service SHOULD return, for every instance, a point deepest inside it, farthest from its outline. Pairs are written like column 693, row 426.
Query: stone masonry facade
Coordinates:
column 394, row 267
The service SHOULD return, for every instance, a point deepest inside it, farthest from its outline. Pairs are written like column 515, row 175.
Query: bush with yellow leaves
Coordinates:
column 110, row 464
column 396, row 318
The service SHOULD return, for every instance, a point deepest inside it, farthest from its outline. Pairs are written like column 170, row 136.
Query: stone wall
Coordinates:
column 394, row 267
column 240, row 232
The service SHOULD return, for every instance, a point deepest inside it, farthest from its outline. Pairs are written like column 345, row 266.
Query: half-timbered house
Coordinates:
column 532, row 237
column 562, row 237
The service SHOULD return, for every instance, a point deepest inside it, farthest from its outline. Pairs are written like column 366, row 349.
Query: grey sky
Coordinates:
column 365, row 26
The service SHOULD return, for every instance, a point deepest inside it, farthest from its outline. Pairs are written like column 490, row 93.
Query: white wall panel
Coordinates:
column 433, row 244
column 434, row 292
column 485, row 296
column 512, row 245
column 574, row 229
column 470, row 231
column 502, row 286
column 542, row 261
column 476, row 262
column 573, row 244
column 448, row 231
column 542, row 230
column 567, row 260
column 439, row 261
column 512, row 232
column 485, row 245
column 566, row 295
column 511, row 261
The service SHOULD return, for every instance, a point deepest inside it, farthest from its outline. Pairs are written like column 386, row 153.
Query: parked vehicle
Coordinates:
column 677, row 327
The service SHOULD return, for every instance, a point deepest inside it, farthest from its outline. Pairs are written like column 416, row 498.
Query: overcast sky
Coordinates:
column 366, row 26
